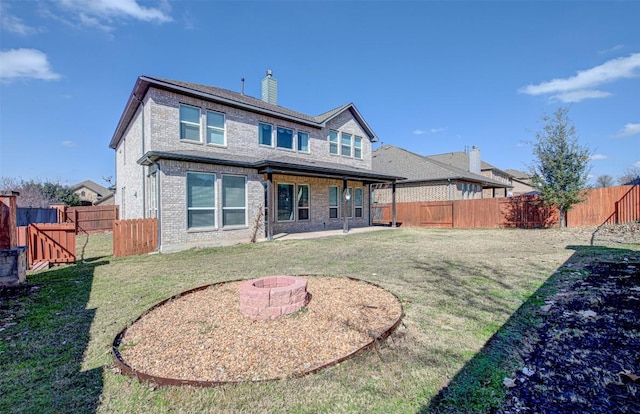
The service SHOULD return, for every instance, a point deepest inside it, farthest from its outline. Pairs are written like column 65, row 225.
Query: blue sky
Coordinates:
column 431, row 77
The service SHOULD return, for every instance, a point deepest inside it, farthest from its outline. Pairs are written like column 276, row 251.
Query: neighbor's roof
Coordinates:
column 96, row 188
column 274, row 164
column 389, row 159
column 230, row 98
column 460, row 159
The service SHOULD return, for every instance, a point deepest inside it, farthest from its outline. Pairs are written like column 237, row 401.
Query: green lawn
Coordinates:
column 459, row 288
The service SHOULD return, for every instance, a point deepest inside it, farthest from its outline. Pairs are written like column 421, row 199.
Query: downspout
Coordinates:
column 144, row 187
column 393, row 205
column 158, row 198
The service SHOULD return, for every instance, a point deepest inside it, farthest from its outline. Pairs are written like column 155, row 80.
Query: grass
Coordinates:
column 459, row 288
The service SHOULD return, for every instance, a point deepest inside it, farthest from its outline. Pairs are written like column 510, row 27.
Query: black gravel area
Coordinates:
column 587, row 358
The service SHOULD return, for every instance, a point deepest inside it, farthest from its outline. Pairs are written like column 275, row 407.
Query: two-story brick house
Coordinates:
column 218, row 167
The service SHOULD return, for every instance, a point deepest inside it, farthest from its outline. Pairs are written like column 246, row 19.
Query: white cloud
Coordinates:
column 94, row 13
column 429, row 131
column 25, row 63
column 580, row 95
column 636, row 164
column 68, row 143
column 596, row 157
column 615, row 48
column 582, row 85
column 629, row 130
column 14, row 24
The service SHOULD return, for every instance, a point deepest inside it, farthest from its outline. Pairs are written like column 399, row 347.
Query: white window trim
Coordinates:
column 350, row 144
column 245, row 208
column 338, row 202
column 199, row 141
column 216, row 219
column 224, row 129
column 337, row 142
column 272, row 135
column 361, row 205
column 293, row 138
column 308, row 151
column 308, row 208
column 294, row 204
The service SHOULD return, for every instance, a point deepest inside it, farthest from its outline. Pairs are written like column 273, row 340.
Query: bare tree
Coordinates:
column 604, row 181
column 630, row 176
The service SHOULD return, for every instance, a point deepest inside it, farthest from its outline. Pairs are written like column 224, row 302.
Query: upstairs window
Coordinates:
column 333, row 142
column 284, row 138
column 303, row 141
column 215, row 128
column 345, row 144
column 265, row 134
column 189, row 123
column 357, row 147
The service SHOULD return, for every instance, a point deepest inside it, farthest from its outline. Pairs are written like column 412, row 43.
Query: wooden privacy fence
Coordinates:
column 50, row 243
column 91, row 219
column 523, row 211
column 610, row 205
column 131, row 237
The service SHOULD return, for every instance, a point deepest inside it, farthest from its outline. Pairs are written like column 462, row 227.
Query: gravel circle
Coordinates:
column 202, row 336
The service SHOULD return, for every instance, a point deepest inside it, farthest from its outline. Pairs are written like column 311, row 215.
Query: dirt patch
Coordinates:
column 202, row 336
column 587, row 358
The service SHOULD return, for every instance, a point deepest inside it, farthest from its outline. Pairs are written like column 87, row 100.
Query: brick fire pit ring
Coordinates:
column 272, row 297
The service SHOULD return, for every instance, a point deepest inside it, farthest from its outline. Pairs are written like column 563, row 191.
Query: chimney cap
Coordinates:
column 269, row 72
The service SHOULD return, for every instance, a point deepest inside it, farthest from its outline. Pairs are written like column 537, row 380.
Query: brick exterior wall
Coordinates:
column 241, row 131
column 431, row 191
column 134, row 182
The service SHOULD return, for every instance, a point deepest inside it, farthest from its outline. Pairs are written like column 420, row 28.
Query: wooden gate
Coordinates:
column 132, row 237
column 52, row 243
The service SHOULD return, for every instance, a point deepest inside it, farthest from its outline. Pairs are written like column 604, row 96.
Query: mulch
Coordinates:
column 587, row 358
column 203, row 337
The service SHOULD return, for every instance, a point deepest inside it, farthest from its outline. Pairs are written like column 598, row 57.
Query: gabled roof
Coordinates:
column 275, row 164
column 96, row 188
column 230, row 98
column 521, row 175
column 389, row 159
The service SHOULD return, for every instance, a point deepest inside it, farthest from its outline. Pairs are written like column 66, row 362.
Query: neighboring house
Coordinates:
column 521, row 182
column 471, row 161
column 91, row 193
column 211, row 164
column 426, row 178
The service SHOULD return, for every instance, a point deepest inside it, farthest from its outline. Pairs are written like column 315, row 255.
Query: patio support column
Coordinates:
column 393, row 205
column 269, row 206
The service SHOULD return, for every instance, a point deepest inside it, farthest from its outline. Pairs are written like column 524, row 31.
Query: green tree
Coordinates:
column 561, row 165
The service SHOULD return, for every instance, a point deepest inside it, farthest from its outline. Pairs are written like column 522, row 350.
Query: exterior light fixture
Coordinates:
column 347, row 197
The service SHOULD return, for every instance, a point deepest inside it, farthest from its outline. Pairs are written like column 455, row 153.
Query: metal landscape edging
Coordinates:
column 128, row 370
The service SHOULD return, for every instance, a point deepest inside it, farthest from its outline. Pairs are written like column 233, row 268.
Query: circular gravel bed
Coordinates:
column 201, row 338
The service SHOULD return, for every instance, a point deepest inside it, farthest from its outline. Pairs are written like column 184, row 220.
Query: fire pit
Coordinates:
column 272, row 296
